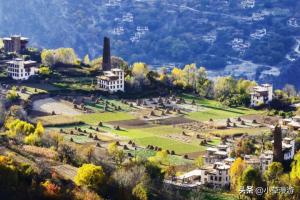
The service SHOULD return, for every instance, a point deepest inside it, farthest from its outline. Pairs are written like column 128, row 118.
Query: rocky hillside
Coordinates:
column 248, row 38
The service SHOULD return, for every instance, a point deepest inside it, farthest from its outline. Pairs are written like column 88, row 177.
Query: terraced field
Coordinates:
column 95, row 118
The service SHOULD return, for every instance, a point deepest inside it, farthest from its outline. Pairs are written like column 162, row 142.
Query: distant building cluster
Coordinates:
column 259, row 33
column 293, row 22
column 262, row 94
column 239, row 44
column 248, row 4
column 217, row 163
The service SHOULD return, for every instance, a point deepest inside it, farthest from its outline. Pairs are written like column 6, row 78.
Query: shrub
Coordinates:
column 89, row 175
column 140, row 192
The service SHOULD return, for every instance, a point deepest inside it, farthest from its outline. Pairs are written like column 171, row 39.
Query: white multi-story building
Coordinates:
column 111, row 81
column 262, row 94
column 19, row 69
column 215, row 175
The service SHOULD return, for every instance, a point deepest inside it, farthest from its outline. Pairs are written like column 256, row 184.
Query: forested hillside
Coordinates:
column 256, row 39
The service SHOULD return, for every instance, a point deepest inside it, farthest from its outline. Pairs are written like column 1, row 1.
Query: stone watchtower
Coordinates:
column 106, row 63
column 277, row 146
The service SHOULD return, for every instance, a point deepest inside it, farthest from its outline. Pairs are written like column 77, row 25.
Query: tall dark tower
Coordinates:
column 277, row 146
column 106, row 64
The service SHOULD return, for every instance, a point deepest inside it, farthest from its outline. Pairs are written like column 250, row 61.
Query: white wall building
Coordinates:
column 111, row 81
column 262, row 94
column 216, row 176
column 19, row 69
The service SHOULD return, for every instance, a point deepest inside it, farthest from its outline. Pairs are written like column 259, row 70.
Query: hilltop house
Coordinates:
column 15, row 43
column 112, row 80
column 262, row 94
column 20, row 69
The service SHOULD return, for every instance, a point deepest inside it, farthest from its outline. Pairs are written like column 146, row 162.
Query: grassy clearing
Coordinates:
column 95, row 118
column 215, row 142
column 165, row 143
column 145, row 132
column 74, row 86
column 216, row 110
column 173, row 159
column 100, row 106
column 233, row 131
column 57, row 120
column 217, row 113
column 44, row 86
column 155, row 136
column 80, row 139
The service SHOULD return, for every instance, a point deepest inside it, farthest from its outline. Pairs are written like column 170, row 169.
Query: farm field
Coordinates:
column 96, row 107
column 219, row 113
column 173, row 159
column 57, row 120
column 95, row 118
column 156, row 136
column 173, row 132
column 215, row 110
column 233, row 131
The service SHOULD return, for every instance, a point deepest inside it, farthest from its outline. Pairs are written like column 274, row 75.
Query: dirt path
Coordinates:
column 58, row 106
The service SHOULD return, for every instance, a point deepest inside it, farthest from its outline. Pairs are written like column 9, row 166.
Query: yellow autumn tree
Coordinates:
column 139, row 69
column 140, row 192
column 236, row 172
column 190, row 74
column 199, row 162
column 295, row 172
column 90, row 176
column 117, row 155
column 178, row 77
column 39, row 129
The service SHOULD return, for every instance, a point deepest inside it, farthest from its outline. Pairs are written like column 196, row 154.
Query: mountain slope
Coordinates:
column 213, row 33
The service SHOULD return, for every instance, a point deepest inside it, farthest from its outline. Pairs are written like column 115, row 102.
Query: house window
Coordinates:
column 220, row 178
column 211, row 178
